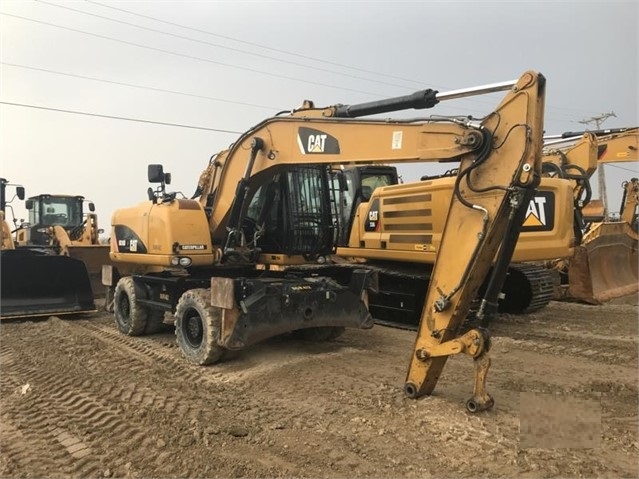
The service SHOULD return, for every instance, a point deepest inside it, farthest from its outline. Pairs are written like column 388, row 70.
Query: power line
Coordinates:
column 83, row 77
column 197, row 59
column 277, row 50
column 60, row 110
column 223, row 46
column 622, row 168
column 245, row 42
column 192, row 57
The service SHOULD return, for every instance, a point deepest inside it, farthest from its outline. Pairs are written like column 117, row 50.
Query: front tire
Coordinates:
column 130, row 317
column 197, row 327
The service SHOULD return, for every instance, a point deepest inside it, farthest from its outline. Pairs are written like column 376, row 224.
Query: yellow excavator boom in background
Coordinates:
column 604, row 263
column 246, row 261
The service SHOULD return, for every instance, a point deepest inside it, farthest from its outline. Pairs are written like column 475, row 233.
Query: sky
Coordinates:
column 176, row 82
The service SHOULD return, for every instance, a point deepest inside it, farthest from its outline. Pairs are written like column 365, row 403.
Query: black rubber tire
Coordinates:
column 197, row 327
column 130, row 317
column 319, row 335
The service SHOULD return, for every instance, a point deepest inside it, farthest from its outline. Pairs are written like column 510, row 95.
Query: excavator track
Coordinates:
column 400, row 298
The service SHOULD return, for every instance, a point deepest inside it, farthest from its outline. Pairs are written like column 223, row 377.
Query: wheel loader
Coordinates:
column 604, row 264
column 244, row 259
column 59, row 224
column 35, row 283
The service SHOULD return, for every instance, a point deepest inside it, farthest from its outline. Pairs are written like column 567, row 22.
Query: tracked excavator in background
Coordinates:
column 60, row 225
column 245, row 261
column 603, row 265
column 35, row 283
column 396, row 229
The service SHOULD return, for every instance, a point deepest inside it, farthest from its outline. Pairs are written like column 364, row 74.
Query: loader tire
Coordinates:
column 197, row 327
column 130, row 317
column 320, row 334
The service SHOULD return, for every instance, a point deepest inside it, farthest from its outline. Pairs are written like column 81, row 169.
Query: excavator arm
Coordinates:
column 485, row 216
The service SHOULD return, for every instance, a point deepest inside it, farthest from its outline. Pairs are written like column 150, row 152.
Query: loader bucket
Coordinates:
column 93, row 257
column 38, row 284
column 605, row 266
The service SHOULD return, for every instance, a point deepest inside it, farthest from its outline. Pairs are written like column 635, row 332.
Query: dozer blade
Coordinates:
column 605, row 266
column 93, row 257
column 36, row 284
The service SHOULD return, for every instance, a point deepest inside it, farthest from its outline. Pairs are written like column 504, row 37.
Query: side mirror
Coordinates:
column 167, row 178
column 341, row 180
column 20, row 192
column 28, row 204
column 156, row 174
column 91, row 207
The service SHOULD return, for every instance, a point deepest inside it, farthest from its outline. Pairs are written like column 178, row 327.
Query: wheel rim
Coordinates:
column 124, row 306
column 192, row 328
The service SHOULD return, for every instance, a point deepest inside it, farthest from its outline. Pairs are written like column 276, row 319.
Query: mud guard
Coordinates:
column 34, row 284
column 605, row 266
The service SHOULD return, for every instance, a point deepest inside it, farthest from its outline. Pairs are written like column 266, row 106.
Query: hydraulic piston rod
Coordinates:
column 418, row 100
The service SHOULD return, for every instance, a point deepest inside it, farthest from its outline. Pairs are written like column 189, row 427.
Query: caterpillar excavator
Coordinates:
column 396, row 229
column 60, row 225
column 35, row 283
column 603, row 265
column 245, row 258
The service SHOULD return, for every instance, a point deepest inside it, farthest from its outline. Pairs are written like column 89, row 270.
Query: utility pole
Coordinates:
column 601, row 177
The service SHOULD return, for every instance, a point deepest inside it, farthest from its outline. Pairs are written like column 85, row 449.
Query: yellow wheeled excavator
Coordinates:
column 60, row 225
column 34, row 282
column 246, row 260
column 603, row 265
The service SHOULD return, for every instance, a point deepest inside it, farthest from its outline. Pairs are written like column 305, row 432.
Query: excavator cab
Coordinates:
column 46, row 211
column 292, row 214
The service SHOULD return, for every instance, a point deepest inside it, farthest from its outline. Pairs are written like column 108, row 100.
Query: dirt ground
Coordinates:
column 79, row 399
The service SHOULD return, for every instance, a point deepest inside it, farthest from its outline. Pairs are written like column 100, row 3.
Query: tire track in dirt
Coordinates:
column 62, row 401
column 610, row 351
column 21, row 450
column 55, row 406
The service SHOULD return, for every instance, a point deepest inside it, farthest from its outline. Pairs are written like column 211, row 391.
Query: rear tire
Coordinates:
column 130, row 317
column 320, row 334
column 197, row 327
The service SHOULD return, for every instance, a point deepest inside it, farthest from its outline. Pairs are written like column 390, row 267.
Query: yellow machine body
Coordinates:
column 154, row 236
column 405, row 223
